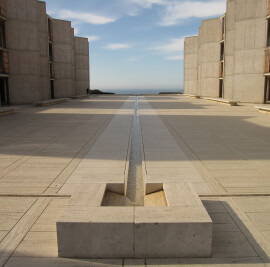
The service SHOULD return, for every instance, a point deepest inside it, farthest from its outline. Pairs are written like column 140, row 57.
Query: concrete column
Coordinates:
column 82, row 65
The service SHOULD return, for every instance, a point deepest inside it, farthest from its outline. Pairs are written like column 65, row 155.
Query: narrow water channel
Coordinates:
column 135, row 187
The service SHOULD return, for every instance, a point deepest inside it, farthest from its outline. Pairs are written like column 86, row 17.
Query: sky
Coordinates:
column 136, row 44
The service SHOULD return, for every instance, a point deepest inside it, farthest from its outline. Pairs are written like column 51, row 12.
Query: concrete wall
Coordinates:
column 246, row 32
column 63, row 37
column 43, row 33
column 24, row 55
column 209, row 58
column 82, row 78
column 191, row 65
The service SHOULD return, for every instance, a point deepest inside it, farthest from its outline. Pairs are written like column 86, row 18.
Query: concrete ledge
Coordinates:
column 86, row 229
column 51, row 102
column 4, row 111
column 194, row 96
column 264, row 109
column 79, row 96
column 222, row 101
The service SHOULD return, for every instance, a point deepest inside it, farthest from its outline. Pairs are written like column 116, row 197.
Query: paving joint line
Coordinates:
column 200, row 195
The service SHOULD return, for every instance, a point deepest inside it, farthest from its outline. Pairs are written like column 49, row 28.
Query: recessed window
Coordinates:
column 268, row 34
column 50, row 30
column 222, row 52
column 51, row 51
column 2, row 34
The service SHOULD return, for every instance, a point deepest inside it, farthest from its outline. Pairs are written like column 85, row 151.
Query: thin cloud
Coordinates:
column 84, row 17
column 134, row 7
column 177, row 11
column 148, row 3
column 176, row 44
column 179, row 57
column 117, row 46
column 93, row 38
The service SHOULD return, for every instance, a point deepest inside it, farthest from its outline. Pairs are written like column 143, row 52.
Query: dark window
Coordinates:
column 267, row 89
column 52, row 89
column 50, row 29
column 51, row 51
column 268, row 34
column 51, row 70
column 221, row 88
column 4, row 94
column 2, row 34
column 2, row 61
column 222, row 52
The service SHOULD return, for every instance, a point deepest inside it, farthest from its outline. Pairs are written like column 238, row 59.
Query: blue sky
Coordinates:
column 136, row 44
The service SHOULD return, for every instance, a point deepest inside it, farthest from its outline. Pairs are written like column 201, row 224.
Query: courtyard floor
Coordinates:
column 225, row 154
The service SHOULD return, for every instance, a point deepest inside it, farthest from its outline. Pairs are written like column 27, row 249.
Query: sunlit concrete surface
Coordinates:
column 229, row 147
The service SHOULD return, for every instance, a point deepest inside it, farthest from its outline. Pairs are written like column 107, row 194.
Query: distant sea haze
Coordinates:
column 143, row 91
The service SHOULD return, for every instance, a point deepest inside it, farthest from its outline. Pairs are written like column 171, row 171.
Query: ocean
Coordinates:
column 142, row 91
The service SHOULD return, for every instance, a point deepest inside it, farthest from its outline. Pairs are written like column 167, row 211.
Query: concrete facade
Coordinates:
column 209, row 58
column 233, row 56
column 40, row 67
column 246, row 36
column 191, row 65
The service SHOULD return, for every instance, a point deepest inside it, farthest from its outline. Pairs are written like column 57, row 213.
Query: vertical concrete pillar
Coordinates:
column 209, row 57
column 82, row 65
column 63, row 37
column 191, row 65
column 43, row 44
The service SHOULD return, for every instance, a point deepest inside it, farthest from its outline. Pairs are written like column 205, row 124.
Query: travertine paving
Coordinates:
column 224, row 151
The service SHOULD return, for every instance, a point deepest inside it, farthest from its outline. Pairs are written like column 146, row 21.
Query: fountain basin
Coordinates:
column 90, row 228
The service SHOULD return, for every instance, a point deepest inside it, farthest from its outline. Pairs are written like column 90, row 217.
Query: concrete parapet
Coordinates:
column 194, row 96
column 51, row 102
column 263, row 108
column 79, row 96
column 6, row 111
column 223, row 101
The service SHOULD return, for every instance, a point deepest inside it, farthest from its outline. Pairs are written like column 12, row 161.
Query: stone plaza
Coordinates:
column 200, row 155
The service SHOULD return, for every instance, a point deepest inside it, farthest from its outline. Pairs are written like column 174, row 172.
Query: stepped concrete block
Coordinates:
column 96, row 232
column 172, row 232
column 87, row 229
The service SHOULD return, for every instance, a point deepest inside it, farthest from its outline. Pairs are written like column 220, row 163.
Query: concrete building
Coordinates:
column 38, row 59
column 233, row 58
